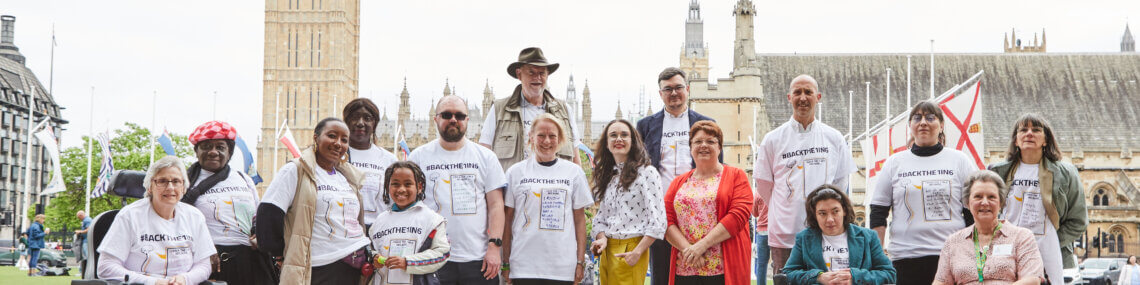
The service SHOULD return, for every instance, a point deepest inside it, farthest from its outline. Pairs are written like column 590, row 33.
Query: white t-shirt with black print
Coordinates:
column 371, row 162
column 1025, row 208
column 336, row 231
column 457, row 186
column 543, row 238
column 157, row 247
column 228, row 208
column 925, row 196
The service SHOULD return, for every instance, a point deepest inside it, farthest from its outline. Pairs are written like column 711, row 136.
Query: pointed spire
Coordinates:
column 617, row 114
column 446, row 88
column 1127, row 43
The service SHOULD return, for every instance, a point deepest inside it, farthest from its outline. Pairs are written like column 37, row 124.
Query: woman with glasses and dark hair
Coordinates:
column 708, row 209
column 1047, row 195
column 157, row 240
column 410, row 239
column 833, row 250
column 631, row 215
column 310, row 218
column 921, row 188
column 991, row 251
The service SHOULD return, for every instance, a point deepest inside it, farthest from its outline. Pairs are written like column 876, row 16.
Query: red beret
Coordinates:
column 213, row 130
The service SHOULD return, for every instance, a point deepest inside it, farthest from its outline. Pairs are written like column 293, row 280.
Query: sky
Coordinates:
column 113, row 59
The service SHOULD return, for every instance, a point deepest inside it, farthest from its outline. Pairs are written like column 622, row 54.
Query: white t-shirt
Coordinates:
column 835, row 252
column 676, row 159
column 336, row 232
column 401, row 234
column 372, row 163
column 925, row 196
column 798, row 160
column 228, row 208
column 543, row 237
column 158, row 247
column 457, row 186
column 1026, row 208
column 529, row 112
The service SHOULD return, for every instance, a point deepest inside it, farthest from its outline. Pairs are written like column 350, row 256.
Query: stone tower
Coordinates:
column 744, row 51
column 1127, row 44
column 8, row 47
column 405, row 112
column 488, row 98
column 310, row 57
column 586, row 111
column 431, row 116
column 694, row 55
column 1014, row 44
column 617, row 114
column 572, row 98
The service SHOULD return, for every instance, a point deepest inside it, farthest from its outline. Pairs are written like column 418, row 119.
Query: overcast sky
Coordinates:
column 187, row 50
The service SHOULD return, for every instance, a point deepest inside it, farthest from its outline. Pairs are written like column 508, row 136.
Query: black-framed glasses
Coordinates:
column 671, row 89
column 918, row 118
column 458, row 115
column 167, row 183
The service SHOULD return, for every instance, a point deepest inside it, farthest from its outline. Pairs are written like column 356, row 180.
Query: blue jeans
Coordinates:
column 762, row 253
column 34, row 257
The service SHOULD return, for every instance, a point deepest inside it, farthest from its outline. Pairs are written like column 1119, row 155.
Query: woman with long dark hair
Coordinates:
column 631, row 215
column 1047, row 195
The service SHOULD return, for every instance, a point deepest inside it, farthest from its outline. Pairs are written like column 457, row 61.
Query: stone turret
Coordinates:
column 586, row 110
column 1127, row 43
column 488, row 98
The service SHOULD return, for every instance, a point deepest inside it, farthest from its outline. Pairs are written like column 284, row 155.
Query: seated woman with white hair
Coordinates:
column 157, row 240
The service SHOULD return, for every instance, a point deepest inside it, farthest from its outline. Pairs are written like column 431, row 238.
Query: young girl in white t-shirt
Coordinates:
column 403, row 254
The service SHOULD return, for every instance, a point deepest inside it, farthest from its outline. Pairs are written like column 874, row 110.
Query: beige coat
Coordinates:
column 297, row 266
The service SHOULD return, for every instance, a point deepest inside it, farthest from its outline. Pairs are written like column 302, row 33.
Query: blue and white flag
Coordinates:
column 106, row 169
column 167, row 144
column 588, row 151
column 247, row 159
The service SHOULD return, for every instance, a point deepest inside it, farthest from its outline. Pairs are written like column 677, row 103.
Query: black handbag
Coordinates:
column 430, row 278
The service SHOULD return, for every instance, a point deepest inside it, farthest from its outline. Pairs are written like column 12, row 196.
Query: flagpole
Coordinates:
column 867, row 114
column 850, row 113
column 215, row 105
column 908, row 81
column 51, row 72
column 931, row 68
column 28, row 157
column 888, row 94
column 277, row 127
column 153, row 124
column 90, row 138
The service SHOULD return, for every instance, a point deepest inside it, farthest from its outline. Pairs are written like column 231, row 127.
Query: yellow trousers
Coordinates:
column 614, row 270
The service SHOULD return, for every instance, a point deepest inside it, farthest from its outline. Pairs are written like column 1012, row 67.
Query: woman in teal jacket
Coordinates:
column 833, row 250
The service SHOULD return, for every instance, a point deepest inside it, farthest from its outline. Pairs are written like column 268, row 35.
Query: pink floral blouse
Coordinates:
column 697, row 200
column 1012, row 255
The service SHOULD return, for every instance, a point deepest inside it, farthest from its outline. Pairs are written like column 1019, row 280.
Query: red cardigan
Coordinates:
column 733, row 207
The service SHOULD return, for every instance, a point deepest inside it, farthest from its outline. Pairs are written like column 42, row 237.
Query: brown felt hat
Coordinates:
column 532, row 56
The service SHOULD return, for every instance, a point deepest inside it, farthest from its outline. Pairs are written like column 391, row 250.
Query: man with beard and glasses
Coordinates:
column 465, row 184
column 505, row 128
column 666, row 136
column 794, row 159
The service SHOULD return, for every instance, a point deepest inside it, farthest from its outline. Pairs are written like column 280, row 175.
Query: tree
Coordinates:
column 129, row 149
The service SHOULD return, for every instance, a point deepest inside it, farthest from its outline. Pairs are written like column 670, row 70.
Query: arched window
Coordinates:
column 1100, row 198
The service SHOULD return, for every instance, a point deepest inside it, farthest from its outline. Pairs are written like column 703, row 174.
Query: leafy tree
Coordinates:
column 129, row 150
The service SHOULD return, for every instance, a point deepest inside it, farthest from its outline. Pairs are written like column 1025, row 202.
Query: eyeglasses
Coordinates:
column 671, row 89
column 710, row 142
column 167, row 183
column 918, row 118
column 458, row 115
column 616, row 136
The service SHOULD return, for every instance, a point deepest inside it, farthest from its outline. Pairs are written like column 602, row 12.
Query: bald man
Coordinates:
column 794, row 159
column 81, row 239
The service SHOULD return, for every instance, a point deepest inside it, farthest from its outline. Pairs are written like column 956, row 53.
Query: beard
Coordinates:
column 452, row 133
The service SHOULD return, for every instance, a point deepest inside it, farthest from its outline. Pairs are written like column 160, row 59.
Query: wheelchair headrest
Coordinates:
column 128, row 183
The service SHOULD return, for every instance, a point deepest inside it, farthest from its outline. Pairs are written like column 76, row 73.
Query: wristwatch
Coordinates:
column 496, row 241
column 582, row 263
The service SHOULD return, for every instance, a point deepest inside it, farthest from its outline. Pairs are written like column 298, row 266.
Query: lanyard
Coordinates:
column 980, row 253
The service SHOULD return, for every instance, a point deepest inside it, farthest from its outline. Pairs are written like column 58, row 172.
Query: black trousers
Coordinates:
column 335, row 273
column 659, row 262
column 699, row 280
column 919, row 270
column 242, row 265
column 527, row 281
column 465, row 273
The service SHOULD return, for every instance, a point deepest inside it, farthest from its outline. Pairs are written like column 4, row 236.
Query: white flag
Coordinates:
column 106, row 168
column 47, row 139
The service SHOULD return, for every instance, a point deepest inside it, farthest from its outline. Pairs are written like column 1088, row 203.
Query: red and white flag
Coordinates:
column 962, row 117
column 291, row 144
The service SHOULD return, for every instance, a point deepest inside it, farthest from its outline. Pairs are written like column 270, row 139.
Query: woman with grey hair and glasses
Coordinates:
column 991, row 251
column 833, row 250
column 157, row 240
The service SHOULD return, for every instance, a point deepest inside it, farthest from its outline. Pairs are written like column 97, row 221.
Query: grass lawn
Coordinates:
column 11, row 275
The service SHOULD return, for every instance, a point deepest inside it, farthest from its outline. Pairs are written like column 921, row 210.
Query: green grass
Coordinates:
column 12, row 275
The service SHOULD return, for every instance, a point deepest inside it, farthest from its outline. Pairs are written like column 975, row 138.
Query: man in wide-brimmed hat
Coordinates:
column 506, row 126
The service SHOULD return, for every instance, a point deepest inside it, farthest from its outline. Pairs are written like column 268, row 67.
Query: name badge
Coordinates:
column 1003, row 249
